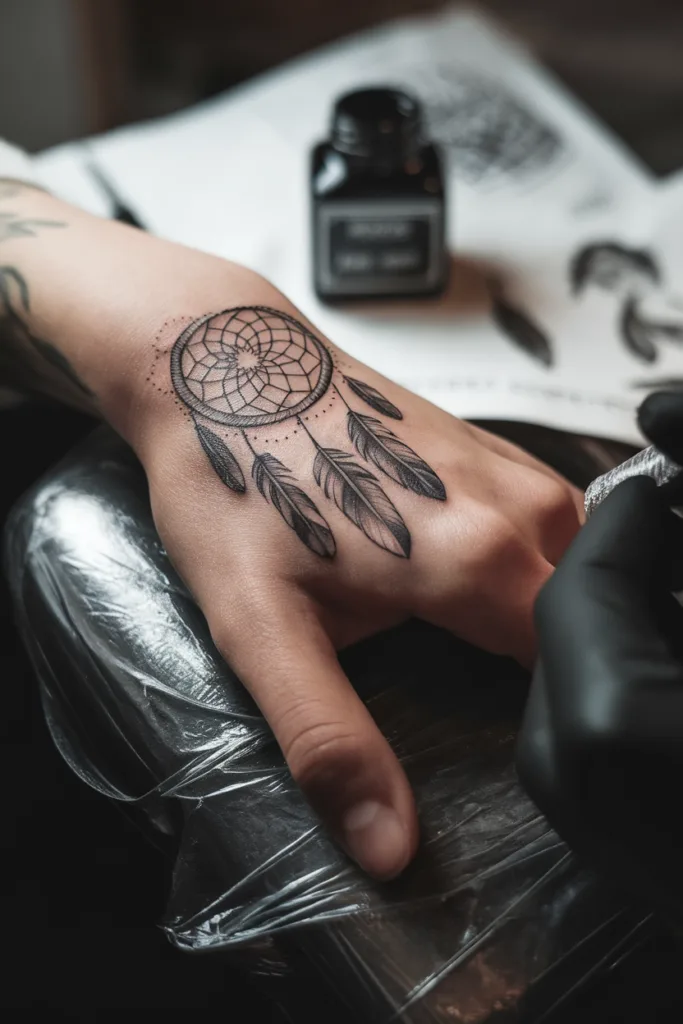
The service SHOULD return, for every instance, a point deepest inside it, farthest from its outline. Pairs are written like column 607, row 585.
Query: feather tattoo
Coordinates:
column 372, row 397
column 16, row 333
column 8, row 274
column 273, row 480
column 356, row 492
column 377, row 444
column 221, row 458
column 14, row 226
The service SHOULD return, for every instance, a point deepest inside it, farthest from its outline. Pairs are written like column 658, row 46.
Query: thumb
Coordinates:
column 334, row 750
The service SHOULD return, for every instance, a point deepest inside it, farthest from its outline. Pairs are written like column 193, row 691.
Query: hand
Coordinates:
column 462, row 529
column 601, row 748
column 359, row 507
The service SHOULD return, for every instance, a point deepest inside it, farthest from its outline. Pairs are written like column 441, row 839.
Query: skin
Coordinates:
column 111, row 301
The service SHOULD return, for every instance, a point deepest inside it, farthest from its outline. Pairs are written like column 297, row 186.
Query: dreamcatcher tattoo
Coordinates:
column 254, row 367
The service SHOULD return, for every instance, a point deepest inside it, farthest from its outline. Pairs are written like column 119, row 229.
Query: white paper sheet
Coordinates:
column 534, row 180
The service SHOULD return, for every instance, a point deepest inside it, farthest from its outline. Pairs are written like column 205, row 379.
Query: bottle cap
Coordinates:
column 379, row 125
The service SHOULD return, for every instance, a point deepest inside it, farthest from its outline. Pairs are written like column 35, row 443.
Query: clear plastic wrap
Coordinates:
column 494, row 920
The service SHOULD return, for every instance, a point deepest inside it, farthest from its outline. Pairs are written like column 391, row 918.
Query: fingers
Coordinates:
column 517, row 455
column 334, row 750
column 539, row 506
column 545, row 513
column 499, row 577
column 502, row 620
column 660, row 418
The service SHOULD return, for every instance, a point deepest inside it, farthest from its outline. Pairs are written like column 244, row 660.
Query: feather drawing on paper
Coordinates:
column 520, row 329
column 638, row 335
column 641, row 334
column 610, row 265
column 660, row 384
column 634, row 277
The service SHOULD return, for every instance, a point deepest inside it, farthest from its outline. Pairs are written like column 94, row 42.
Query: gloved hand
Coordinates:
column 601, row 748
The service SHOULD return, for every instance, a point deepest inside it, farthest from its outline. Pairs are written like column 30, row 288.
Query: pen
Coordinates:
column 120, row 211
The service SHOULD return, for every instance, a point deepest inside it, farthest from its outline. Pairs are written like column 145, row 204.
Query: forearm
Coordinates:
column 86, row 303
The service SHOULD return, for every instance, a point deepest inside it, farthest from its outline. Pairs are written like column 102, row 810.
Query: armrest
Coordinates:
column 494, row 916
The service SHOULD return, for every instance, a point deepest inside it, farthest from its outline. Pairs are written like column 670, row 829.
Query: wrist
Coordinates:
column 141, row 396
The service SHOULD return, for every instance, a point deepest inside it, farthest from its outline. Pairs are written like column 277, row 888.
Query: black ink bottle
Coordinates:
column 378, row 202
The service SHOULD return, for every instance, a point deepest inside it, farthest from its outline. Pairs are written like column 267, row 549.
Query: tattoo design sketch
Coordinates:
column 609, row 265
column 16, row 342
column 632, row 275
column 521, row 330
column 14, row 226
column 663, row 384
column 637, row 334
column 254, row 367
column 490, row 134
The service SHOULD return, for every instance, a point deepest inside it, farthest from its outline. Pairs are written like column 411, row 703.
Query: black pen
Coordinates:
column 120, row 211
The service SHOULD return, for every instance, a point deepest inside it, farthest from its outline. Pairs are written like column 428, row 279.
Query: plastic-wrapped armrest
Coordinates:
column 494, row 916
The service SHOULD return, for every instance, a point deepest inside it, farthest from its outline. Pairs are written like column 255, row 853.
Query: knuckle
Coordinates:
column 496, row 539
column 553, row 503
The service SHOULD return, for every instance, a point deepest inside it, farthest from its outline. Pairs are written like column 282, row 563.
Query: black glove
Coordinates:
column 601, row 748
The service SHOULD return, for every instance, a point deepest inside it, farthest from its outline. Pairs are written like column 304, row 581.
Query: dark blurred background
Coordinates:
column 81, row 887
column 73, row 67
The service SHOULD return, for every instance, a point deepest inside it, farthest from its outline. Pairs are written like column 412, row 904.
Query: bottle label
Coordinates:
column 379, row 247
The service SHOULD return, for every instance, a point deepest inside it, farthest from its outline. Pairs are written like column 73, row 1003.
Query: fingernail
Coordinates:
column 375, row 837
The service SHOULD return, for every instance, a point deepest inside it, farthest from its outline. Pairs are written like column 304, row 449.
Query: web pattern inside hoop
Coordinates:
column 250, row 367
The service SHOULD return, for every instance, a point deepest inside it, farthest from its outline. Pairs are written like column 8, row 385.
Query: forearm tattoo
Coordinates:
column 243, row 372
column 14, row 226
column 26, row 362
column 9, row 189
column 29, row 363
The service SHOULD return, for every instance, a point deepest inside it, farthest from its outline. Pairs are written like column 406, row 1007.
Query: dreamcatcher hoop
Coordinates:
column 252, row 366
column 282, row 361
